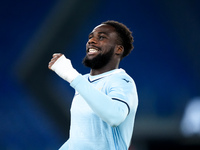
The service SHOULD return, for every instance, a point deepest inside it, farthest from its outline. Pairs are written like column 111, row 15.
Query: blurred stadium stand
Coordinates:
column 165, row 65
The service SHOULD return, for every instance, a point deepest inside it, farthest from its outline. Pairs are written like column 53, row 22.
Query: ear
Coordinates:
column 119, row 50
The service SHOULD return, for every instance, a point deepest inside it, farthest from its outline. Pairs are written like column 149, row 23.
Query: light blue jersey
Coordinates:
column 102, row 112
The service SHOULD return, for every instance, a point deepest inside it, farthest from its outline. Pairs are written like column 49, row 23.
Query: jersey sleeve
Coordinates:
column 123, row 89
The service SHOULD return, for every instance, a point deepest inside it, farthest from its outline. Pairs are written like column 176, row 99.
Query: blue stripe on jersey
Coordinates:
column 123, row 102
column 94, row 80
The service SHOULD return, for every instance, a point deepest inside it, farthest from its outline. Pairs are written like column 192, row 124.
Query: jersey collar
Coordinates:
column 96, row 77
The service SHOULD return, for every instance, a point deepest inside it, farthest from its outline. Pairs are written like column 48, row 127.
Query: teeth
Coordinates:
column 92, row 50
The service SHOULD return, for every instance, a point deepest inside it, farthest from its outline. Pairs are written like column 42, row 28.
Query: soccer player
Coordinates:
column 104, row 106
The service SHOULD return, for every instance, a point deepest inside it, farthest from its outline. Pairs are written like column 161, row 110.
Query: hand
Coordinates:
column 63, row 67
column 54, row 59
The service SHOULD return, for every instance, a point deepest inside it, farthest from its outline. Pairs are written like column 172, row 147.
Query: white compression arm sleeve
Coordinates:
column 64, row 69
column 111, row 111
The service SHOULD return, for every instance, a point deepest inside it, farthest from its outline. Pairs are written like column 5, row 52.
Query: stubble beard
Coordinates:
column 99, row 61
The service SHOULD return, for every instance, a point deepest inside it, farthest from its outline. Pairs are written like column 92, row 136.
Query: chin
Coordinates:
column 98, row 61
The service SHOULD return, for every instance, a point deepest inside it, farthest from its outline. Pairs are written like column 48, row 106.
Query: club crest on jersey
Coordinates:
column 126, row 80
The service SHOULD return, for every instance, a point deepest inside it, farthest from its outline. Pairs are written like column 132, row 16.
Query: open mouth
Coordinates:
column 92, row 51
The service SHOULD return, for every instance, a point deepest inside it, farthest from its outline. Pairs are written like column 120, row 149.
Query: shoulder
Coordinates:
column 121, row 77
column 122, row 86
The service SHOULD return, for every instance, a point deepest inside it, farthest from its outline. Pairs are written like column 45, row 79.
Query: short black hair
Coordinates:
column 124, row 33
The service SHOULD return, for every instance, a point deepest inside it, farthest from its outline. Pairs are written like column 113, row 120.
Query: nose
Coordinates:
column 92, row 40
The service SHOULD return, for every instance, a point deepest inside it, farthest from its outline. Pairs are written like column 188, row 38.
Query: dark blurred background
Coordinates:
column 165, row 64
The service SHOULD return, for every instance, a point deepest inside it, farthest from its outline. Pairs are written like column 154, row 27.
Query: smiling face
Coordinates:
column 100, row 48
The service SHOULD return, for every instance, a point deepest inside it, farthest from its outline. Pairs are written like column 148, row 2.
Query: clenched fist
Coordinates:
column 53, row 60
column 63, row 67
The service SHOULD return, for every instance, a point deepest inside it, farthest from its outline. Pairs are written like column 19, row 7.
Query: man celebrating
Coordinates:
column 104, row 106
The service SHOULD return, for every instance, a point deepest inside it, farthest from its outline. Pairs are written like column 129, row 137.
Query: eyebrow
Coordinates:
column 103, row 33
column 99, row 33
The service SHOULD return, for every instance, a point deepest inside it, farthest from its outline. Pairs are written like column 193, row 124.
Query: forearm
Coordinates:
column 111, row 111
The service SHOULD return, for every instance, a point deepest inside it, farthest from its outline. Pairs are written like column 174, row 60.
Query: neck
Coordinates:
column 104, row 69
